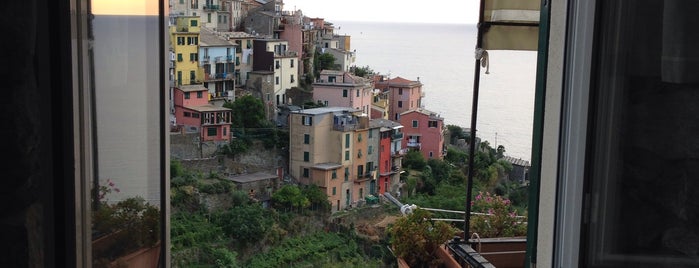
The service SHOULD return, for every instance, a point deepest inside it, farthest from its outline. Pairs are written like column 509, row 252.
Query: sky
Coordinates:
column 124, row 7
column 444, row 11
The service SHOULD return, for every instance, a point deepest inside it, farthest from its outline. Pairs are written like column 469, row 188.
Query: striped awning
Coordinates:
column 510, row 24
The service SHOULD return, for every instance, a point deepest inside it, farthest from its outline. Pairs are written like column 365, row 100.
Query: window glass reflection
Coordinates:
column 127, row 188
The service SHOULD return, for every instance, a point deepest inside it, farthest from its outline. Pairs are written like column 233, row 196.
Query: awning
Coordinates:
column 510, row 24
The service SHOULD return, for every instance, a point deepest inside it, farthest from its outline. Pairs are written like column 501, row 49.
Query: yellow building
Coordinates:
column 184, row 38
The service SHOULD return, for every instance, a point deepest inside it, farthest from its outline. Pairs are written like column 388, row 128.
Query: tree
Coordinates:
column 290, row 196
column 415, row 238
column 317, row 198
column 246, row 223
column 456, row 133
column 324, row 61
column 365, row 71
column 414, row 160
column 248, row 112
column 500, row 151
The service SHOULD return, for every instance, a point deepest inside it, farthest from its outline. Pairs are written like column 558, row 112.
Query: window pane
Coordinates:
column 129, row 142
column 641, row 167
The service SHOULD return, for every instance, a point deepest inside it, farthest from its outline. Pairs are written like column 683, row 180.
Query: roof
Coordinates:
column 327, row 166
column 258, row 176
column 207, row 108
column 400, row 81
column 331, row 72
column 516, row 161
column 384, row 123
column 237, row 35
column 208, row 38
column 423, row 111
column 192, row 88
column 325, row 110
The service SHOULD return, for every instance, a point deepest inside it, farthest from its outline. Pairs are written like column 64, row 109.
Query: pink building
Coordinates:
column 342, row 89
column 403, row 94
column 194, row 113
column 424, row 131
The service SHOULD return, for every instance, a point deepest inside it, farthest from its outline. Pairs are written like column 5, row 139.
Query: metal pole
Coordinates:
column 474, row 116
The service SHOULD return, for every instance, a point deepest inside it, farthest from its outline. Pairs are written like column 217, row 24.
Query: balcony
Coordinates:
column 399, row 153
column 219, row 59
column 229, row 58
column 208, row 7
column 397, row 136
column 414, row 144
column 363, row 177
column 218, row 76
column 345, row 127
column 205, row 60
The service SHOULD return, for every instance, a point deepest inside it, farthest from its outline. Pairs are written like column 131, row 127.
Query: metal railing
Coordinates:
column 211, row 7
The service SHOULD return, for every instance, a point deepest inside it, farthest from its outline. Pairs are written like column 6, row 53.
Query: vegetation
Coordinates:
column 365, row 71
column 501, row 219
column 442, row 184
column 324, row 61
column 248, row 112
column 316, row 250
column 123, row 227
column 292, row 232
column 415, row 238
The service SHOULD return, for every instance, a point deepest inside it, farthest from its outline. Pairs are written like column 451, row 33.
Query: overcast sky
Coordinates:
column 444, row 11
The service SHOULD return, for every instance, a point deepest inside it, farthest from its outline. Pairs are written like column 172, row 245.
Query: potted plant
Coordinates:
column 416, row 238
column 498, row 233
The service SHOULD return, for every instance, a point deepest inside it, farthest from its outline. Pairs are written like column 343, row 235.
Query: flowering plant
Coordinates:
column 495, row 217
column 104, row 189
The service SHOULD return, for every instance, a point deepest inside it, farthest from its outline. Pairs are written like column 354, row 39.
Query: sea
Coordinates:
column 442, row 57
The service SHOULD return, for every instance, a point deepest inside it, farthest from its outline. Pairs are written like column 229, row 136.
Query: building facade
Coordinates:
column 390, row 153
column 184, row 38
column 342, row 89
column 424, row 131
column 218, row 57
column 273, row 55
column 195, row 114
column 403, row 94
column 327, row 147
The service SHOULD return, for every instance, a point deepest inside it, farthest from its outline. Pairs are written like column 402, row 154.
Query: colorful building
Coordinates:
column 328, row 147
column 243, row 54
column 390, row 154
column 403, row 94
column 195, row 114
column 424, row 131
column 217, row 54
column 273, row 55
column 184, row 38
column 380, row 105
column 342, row 89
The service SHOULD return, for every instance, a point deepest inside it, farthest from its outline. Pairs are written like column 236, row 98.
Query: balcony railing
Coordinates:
column 211, row 7
column 399, row 153
column 205, row 60
column 229, row 58
column 218, row 76
column 364, row 177
column 397, row 136
column 218, row 59
column 414, row 144
column 346, row 127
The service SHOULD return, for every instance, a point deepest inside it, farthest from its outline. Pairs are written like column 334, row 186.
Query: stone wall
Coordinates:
column 183, row 147
column 187, row 146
